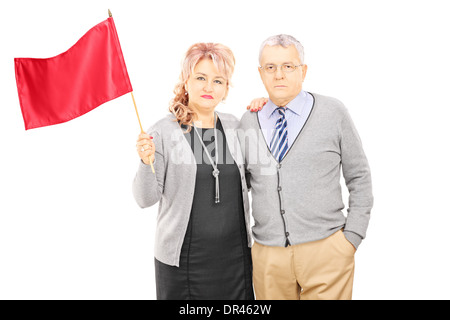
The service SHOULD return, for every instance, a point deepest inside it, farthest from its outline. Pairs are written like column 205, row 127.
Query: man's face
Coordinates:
column 282, row 86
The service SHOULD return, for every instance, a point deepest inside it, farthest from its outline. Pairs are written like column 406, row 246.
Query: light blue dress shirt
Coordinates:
column 297, row 112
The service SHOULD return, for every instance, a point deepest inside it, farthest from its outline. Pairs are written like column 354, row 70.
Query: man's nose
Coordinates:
column 279, row 74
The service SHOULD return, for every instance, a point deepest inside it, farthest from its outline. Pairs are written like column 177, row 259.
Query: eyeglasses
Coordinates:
column 286, row 67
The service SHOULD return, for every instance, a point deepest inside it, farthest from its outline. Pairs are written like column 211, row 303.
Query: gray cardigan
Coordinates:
column 173, row 183
column 300, row 199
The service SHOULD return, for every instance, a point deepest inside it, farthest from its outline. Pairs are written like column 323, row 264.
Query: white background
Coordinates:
column 69, row 226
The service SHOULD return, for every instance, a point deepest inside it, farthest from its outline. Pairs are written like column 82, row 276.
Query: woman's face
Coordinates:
column 206, row 87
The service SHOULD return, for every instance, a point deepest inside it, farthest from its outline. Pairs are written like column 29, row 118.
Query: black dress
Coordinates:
column 215, row 261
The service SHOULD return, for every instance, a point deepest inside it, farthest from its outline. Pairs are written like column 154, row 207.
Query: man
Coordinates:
column 304, row 245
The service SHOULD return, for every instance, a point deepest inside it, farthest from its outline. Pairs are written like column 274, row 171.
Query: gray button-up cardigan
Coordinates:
column 300, row 199
column 173, row 183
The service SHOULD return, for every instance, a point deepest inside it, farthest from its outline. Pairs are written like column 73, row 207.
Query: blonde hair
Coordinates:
column 223, row 59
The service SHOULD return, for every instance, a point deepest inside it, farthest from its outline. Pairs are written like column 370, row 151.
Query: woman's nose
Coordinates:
column 208, row 87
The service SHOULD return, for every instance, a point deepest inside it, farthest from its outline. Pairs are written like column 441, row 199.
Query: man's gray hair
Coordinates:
column 285, row 41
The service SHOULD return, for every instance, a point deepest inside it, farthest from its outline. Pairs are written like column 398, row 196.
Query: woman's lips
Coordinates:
column 207, row 97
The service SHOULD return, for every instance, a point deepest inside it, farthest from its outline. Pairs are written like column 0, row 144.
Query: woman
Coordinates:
column 202, row 246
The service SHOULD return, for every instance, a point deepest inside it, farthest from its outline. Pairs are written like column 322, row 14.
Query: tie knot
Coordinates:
column 281, row 111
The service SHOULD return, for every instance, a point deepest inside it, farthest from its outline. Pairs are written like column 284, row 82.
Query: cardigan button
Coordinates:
column 279, row 188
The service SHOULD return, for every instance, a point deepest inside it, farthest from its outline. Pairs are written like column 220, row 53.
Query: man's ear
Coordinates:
column 304, row 70
column 260, row 72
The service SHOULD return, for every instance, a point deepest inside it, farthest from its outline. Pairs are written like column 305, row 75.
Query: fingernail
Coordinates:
column 151, row 137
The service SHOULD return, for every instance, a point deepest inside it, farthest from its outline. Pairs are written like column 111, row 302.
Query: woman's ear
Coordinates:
column 226, row 94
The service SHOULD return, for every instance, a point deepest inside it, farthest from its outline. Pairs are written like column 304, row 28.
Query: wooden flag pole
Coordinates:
column 134, row 102
column 142, row 130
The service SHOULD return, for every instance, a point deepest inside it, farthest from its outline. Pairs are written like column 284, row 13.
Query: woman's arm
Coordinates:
column 257, row 104
column 148, row 186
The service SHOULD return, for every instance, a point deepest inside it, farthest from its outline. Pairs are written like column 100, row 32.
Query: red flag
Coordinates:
column 64, row 87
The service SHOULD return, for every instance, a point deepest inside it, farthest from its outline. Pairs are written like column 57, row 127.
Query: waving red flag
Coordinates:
column 64, row 87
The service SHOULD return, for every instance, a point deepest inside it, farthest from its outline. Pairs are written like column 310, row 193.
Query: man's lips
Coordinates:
column 207, row 97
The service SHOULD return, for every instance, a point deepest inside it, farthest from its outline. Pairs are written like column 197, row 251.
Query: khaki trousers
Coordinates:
column 318, row 270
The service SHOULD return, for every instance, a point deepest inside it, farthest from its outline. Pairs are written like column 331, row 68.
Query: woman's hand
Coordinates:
column 146, row 148
column 257, row 104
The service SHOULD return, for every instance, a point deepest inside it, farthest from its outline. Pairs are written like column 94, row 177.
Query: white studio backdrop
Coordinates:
column 69, row 226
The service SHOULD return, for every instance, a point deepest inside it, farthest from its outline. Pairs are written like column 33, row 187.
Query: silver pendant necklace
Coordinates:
column 216, row 171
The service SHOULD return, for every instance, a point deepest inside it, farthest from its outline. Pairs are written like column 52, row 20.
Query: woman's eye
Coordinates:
column 200, row 78
column 218, row 82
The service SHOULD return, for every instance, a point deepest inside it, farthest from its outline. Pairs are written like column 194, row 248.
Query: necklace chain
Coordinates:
column 216, row 171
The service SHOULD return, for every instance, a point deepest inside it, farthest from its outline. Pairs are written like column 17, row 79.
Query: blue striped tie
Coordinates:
column 279, row 143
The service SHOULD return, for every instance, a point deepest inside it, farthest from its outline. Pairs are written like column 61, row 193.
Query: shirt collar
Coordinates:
column 296, row 105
